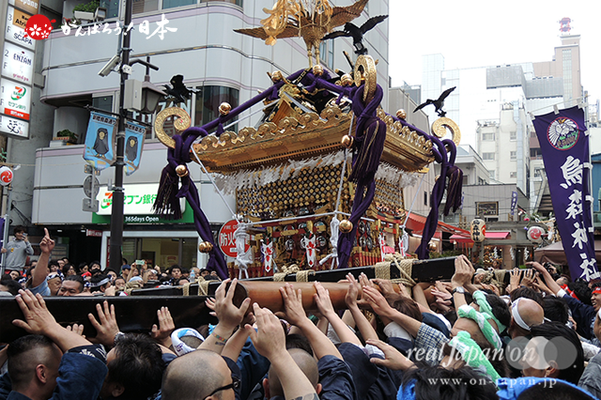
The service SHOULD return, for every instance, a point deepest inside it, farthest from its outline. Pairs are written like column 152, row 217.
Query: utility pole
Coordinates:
column 116, row 239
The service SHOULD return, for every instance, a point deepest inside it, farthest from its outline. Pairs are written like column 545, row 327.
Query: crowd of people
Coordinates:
column 59, row 277
column 470, row 338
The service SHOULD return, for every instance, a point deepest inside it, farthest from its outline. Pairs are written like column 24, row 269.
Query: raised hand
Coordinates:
column 269, row 339
column 162, row 333
column 394, row 359
column 228, row 314
column 107, row 327
column 353, row 291
column 293, row 304
column 322, row 299
column 46, row 244
column 38, row 320
column 463, row 272
column 77, row 328
column 377, row 302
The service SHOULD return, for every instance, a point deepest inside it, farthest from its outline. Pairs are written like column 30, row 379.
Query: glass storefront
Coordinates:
column 161, row 251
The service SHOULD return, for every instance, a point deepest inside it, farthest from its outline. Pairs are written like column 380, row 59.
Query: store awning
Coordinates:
column 416, row 224
column 555, row 254
column 497, row 235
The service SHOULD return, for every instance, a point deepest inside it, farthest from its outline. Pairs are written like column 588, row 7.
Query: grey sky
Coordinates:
column 481, row 33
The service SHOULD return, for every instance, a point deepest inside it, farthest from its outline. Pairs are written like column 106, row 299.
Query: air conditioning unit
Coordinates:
column 83, row 16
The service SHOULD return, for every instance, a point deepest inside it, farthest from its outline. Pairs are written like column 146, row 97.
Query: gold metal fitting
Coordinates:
column 346, row 80
column 225, row 108
column 205, row 247
column 346, row 226
column 402, row 114
column 276, row 76
column 317, row 70
column 181, row 171
column 347, row 141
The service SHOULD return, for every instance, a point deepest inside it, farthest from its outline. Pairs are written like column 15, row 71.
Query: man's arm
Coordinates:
column 28, row 248
column 324, row 303
column 39, row 321
column 40, row 272
column 295, row 314
column 228, row 314
column 364, row 326
column 381, row 307
column 551, row 284
column 270, row 342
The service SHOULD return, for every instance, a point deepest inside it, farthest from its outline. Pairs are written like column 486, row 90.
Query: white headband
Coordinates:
column 102, row 282
column 516, row 315
column 179, row 346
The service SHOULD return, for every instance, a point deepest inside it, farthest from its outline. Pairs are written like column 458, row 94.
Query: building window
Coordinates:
column 143, row 6
column 513, row 155
column 112, row 8
column 208, row 100
column 488, row 136
column 487, row 208
column 488, row 156
column 513, row 174
column 326, row 53
column 177, row 3
column 425, row 198
column 465, row 180
column 103, row 103
column 513, row 135
column 492, row 174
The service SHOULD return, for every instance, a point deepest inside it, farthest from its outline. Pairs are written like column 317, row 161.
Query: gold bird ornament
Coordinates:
column 292, row 18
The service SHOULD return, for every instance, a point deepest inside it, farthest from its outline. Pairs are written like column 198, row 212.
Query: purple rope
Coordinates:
column 368, row 146
column 447, row 171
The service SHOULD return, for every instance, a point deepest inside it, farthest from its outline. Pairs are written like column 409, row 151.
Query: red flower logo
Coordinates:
column 38, row 27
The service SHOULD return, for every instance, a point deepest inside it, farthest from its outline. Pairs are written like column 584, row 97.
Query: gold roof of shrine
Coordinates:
column 307, row 135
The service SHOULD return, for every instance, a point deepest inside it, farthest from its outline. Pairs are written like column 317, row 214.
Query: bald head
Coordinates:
column 525, row 313
column 531, row 312
column 194, row 376
column 305, row 362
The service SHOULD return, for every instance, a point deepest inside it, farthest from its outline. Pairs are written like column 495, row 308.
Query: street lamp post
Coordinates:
column 116, row 238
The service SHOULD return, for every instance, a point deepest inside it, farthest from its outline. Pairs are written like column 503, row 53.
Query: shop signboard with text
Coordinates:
column 17, row 63
column 137, row 208
column 30, row 6
column 16, row 21
column 13, row 127
column 15, row 99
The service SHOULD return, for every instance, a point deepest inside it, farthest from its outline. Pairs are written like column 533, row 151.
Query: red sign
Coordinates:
column 6, row 175
column 93, row 233
column 227, row 242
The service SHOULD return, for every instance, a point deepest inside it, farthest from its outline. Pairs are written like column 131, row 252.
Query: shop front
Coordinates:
column 147, row 236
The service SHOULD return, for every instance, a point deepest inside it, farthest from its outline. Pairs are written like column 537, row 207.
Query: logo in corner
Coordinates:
column 563, row 133
column 38, row 27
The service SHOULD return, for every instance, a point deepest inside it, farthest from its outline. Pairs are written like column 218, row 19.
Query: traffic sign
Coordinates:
column 227, row 242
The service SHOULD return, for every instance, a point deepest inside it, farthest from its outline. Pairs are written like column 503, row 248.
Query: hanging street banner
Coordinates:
column 565, row 149
column 100, row 140
column 514, row 202
column 134, row 139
